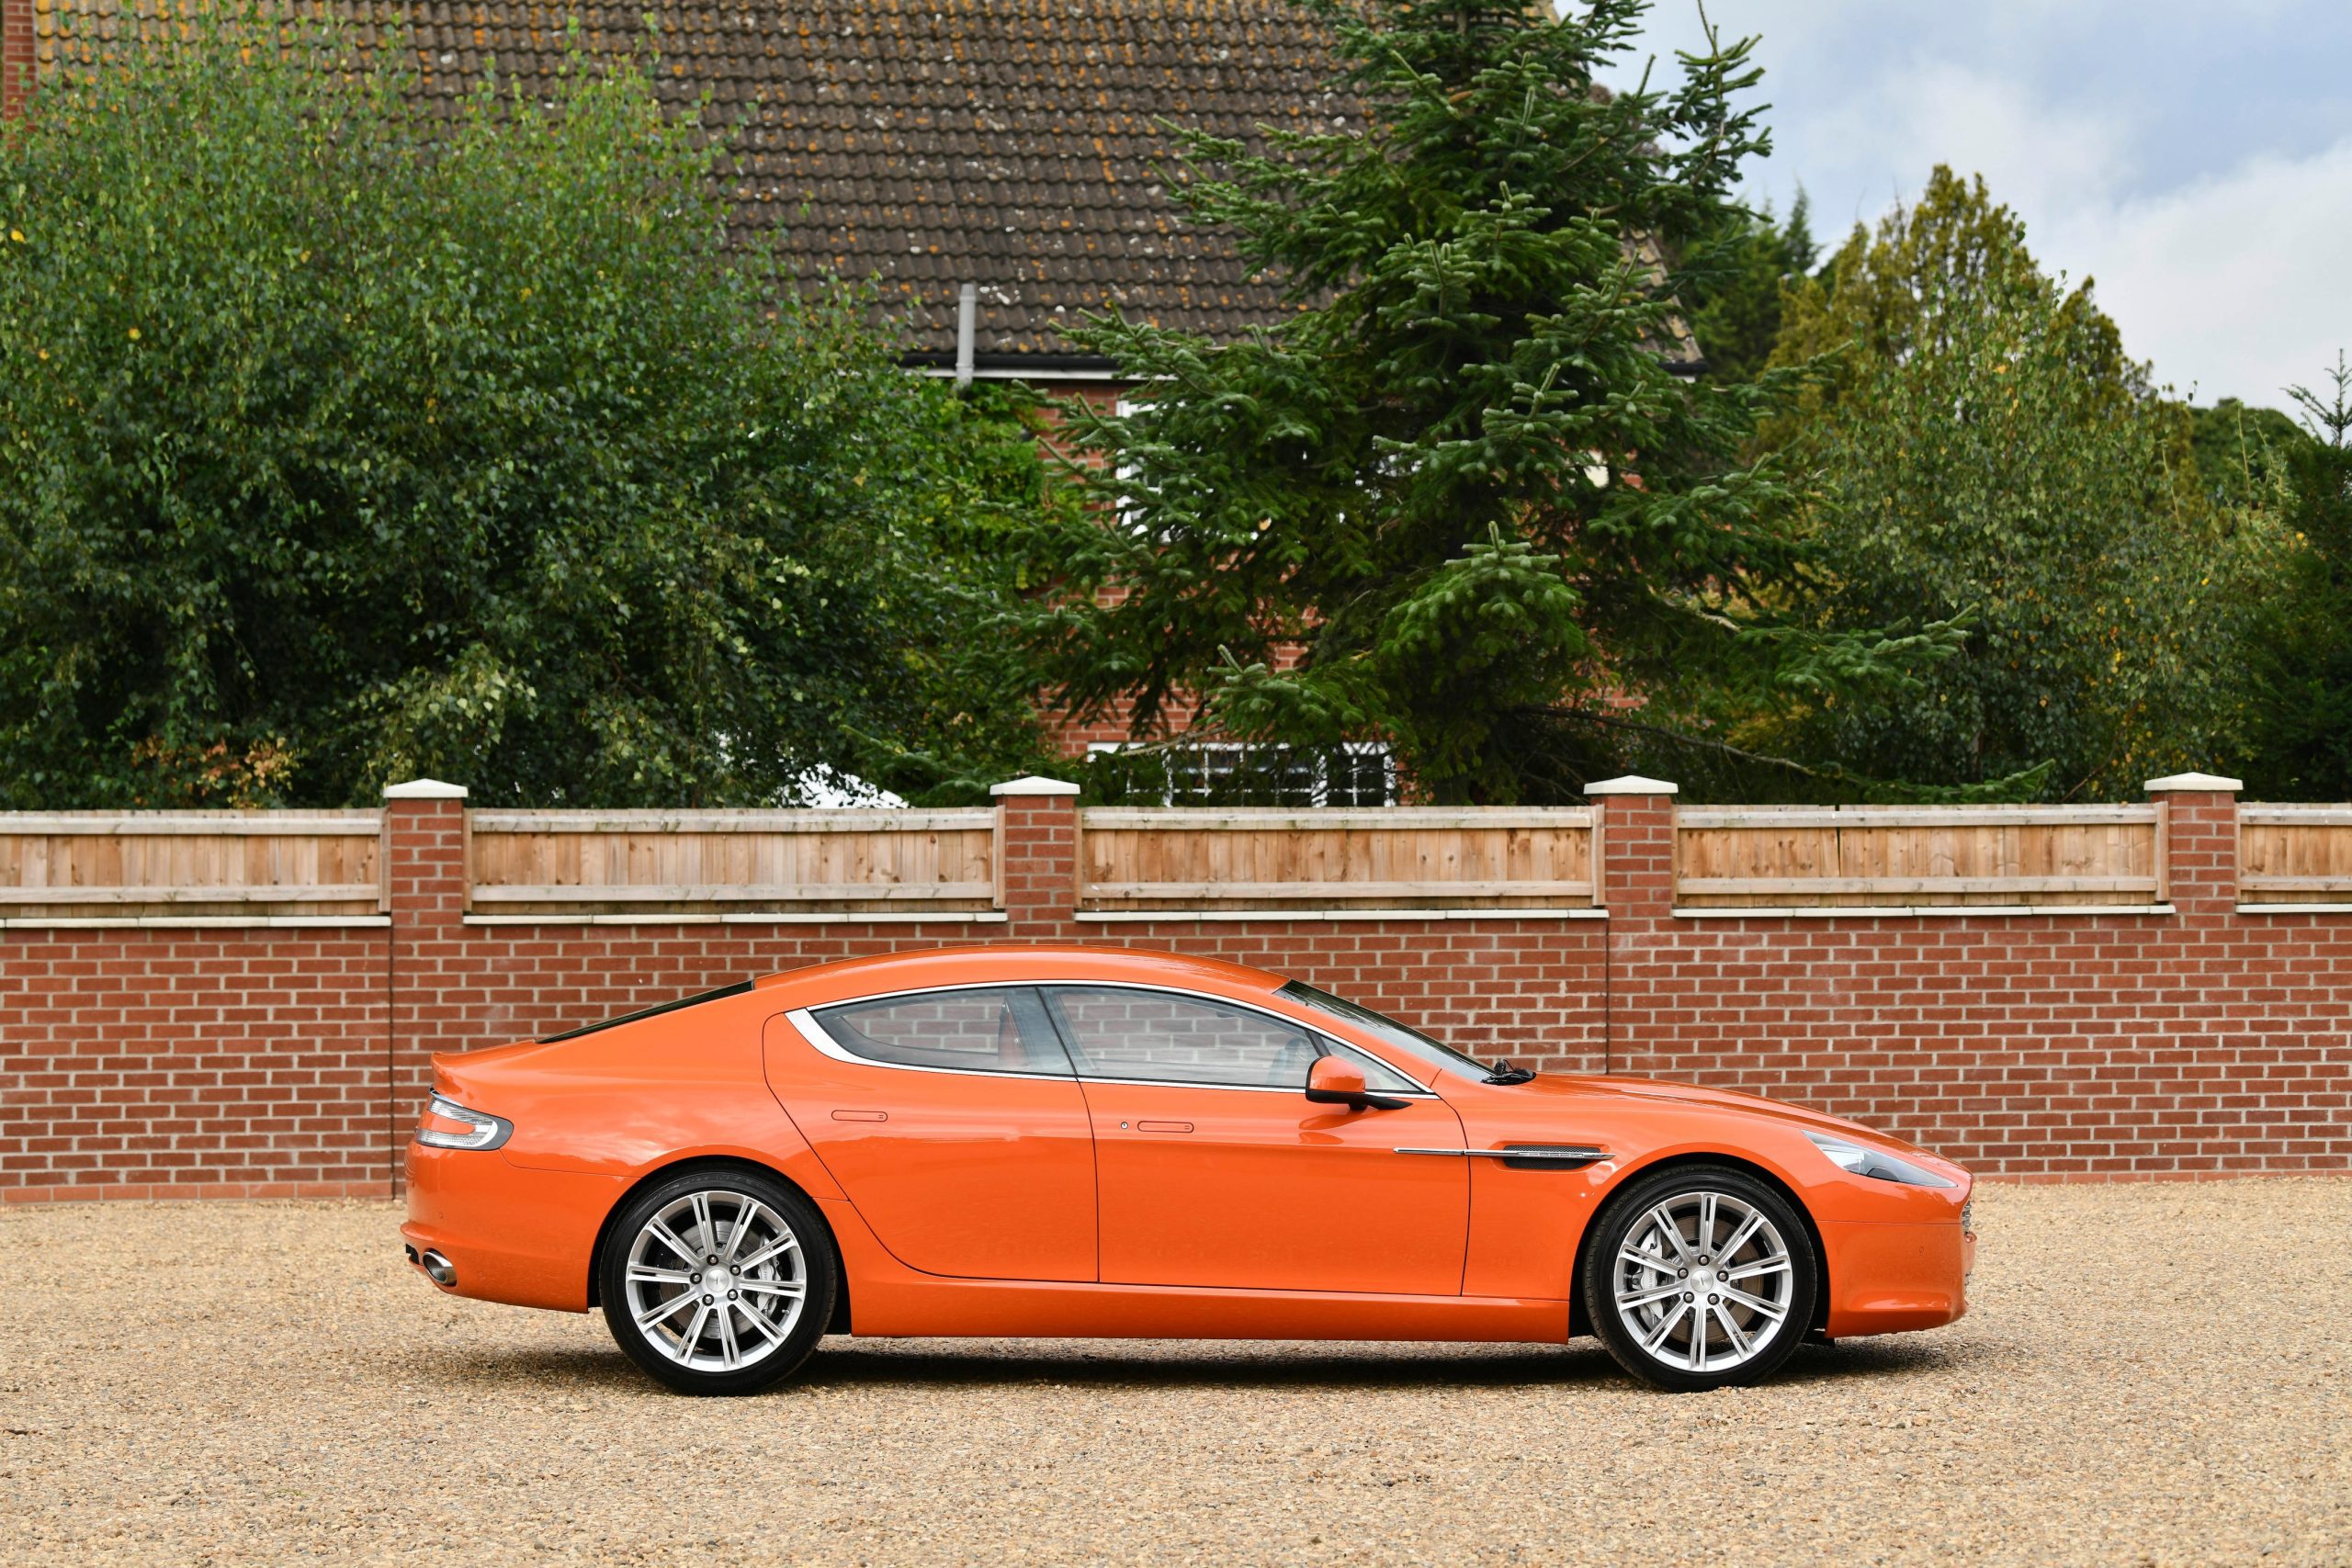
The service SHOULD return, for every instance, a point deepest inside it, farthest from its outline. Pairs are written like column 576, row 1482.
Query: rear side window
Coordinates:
column 996, row 1029
column 1160, row 1038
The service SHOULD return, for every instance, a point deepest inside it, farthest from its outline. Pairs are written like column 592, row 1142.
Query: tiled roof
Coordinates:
column 927, row 144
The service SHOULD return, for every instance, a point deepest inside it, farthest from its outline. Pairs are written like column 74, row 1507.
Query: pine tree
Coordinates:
column 1463, row 478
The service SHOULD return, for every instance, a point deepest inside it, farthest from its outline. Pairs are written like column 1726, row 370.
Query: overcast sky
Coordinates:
column 2194, row 159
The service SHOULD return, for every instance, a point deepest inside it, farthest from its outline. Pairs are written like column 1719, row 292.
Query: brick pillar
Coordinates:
column 1036, row 839
column 424, row 847
column 16, row 56
column 1634, row 824
column 2199, row 842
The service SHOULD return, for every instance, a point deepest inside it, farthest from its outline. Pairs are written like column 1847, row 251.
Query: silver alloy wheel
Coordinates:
column 1703, row 1281
column 716, row 1281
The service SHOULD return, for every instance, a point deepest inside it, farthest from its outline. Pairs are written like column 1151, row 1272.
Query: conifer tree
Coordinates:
column 1463, row 479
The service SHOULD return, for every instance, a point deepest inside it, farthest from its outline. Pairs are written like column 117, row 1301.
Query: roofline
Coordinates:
column 1088, row 368
column 1016, row 366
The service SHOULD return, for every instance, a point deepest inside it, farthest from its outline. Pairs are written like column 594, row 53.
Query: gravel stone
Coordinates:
column 2149, row 1374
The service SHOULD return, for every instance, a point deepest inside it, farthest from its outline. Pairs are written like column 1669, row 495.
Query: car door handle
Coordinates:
column 861, row 1116
column 1163, row 1126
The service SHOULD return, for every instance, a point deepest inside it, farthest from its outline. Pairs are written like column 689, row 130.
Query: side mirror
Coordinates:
column 1335, row 1080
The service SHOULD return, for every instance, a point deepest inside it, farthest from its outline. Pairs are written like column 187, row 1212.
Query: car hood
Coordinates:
column 1551, row 1091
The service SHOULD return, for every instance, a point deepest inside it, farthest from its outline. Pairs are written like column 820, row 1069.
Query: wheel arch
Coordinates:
column 663, row 1172
column 1577, row 1323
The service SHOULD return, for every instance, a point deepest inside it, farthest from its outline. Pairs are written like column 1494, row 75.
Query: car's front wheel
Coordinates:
column 717, row 1280
column 1698, row 1278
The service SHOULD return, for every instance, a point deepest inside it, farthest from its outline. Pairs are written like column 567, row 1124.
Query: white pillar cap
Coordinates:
column 1632, row 783
column 424, row 789
column 2210, row 784
column 1033, row 785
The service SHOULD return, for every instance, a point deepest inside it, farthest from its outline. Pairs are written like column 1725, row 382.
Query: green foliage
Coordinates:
column 346, row 441
column 1458, row 482
column 2303, row 663
column 1986, row 451
column 2240, row 454
column 1732, row 281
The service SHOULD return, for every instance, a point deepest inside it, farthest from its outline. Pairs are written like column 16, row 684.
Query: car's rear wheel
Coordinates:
column 1699, row 1278
column 717, row 1280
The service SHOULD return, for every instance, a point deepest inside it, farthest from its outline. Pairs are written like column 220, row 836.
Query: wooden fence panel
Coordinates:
column 2295, row 855
column 1277, row 858
column 1869, row 857
column 653, row 865
column 223, row 866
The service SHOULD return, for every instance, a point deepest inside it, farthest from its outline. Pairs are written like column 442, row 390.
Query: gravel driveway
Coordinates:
column 2151, row 1374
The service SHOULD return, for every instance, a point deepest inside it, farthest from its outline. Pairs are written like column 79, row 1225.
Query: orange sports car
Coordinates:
column 1082, row 1142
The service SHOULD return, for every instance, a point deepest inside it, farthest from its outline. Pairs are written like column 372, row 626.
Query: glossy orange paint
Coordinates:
column 1027, row 1200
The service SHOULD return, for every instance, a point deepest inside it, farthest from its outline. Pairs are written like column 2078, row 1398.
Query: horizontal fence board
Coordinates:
column 537, row 824
column 656, row 864
column 189, row 824
column 2286, row 852
column 725, row 893
column 223, row 865
column 1864, row 857
column 1141, row 858
column 1353, row 889
column 1867, row 817
column 1384, row 818
column 2293, row 816
column 320, row 893
column 1910, row 885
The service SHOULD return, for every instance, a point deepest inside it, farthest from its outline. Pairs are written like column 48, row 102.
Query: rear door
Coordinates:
column 952, row 1121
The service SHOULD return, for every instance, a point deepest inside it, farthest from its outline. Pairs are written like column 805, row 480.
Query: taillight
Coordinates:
column 445, row 1125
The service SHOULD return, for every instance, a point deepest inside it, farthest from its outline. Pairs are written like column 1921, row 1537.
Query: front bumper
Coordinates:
column 526, row 1237
column 1887, row 1277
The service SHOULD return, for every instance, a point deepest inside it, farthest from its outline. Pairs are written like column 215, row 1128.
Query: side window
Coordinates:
column 1116, row 1034
column 997, row 1030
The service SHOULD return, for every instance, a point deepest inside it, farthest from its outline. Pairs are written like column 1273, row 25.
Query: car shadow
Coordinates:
column 1204, row 1365
column 843, row 1362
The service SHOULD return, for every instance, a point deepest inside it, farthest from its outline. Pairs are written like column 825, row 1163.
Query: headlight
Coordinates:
column 445, row 1125
column 1863, row 1160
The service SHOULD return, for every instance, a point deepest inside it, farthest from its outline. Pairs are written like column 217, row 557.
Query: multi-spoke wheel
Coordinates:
column 1699, row 1277
column 717, row 1282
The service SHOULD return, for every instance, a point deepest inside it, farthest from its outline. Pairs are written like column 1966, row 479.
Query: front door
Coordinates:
column 1215, row 1170
column 951, row 1122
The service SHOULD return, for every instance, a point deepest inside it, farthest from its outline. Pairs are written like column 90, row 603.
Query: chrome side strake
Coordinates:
column 1563, row 1153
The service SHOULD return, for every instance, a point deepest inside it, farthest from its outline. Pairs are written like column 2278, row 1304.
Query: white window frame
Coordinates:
column 1318, row 792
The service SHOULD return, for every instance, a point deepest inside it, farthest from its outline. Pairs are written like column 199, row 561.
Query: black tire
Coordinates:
column 737, row 1205
column 1630, row 1219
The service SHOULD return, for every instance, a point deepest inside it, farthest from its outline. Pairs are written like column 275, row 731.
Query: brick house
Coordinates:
column 991, row 164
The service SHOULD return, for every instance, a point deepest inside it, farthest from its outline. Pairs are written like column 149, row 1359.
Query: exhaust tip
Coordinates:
column 437, row 1269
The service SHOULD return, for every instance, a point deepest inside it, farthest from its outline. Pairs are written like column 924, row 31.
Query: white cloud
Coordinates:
column 2235, row 282
column 2194, row 159
column 2033, row 155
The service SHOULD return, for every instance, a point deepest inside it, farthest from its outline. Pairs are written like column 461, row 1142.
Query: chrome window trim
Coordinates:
column 814, row 1032
column 805, row 1019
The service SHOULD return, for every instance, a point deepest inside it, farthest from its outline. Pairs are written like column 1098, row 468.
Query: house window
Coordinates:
column 1224, row 773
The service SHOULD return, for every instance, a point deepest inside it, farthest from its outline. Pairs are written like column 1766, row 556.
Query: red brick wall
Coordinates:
column 199, row 1062
column 15, row 55
column 283, row 1060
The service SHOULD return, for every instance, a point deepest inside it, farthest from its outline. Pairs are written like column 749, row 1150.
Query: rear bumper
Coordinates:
column 1887, row 1277
column 525, row 1237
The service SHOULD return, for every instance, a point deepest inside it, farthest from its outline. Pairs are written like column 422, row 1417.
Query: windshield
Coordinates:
column 1386, row 1030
